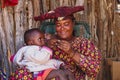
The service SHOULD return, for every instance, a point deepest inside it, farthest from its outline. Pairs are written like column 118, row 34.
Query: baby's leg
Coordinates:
column 69, row 75
column 60, row 74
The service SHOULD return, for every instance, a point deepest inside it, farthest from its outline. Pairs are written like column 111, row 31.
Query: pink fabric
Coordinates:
column 47, row 48
column 12, row 57
column 43, row 75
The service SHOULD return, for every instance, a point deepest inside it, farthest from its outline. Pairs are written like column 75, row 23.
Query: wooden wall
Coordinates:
column 99, row 14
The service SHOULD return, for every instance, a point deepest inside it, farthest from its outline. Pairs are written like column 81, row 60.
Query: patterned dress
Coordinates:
column 21, row 74
column 90, row 58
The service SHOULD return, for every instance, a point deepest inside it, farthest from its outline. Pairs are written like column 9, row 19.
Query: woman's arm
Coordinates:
column 89, row 58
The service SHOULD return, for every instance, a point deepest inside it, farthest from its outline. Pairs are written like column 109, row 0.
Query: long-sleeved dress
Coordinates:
column 89, row 58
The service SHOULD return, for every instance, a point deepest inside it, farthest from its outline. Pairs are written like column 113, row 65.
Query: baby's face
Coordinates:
column 39, row 39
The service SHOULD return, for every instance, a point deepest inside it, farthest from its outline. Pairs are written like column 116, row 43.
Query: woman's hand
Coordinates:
column 64, row 45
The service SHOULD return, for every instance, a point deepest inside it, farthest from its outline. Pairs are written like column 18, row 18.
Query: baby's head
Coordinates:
column 34, row 37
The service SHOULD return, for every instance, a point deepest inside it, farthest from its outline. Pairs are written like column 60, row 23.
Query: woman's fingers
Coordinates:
column 64, row 45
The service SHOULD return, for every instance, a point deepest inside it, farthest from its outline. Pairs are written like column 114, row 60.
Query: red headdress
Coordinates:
column 59, row 12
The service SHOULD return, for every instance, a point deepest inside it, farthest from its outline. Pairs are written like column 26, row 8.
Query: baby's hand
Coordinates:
column 48, row 36
column 52, row 43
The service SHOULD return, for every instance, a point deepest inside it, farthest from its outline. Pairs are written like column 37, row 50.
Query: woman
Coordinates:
column 80, row 55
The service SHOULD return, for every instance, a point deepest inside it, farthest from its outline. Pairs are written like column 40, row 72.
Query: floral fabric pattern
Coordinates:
column 21, row 74
column 90, row 58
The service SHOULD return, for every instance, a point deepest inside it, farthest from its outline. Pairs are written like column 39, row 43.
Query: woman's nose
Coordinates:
column 62, row 27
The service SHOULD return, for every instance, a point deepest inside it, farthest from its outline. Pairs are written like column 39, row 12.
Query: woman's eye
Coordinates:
column 66, row 24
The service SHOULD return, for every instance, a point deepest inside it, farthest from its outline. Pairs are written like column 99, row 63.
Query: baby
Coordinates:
column 37, row 58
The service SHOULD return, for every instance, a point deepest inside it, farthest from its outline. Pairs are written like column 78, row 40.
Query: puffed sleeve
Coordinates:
column 90, row 58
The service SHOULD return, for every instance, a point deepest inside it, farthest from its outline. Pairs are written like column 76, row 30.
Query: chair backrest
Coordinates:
column 81, row 28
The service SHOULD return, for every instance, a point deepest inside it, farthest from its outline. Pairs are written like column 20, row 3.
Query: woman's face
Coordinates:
column 64, row 28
